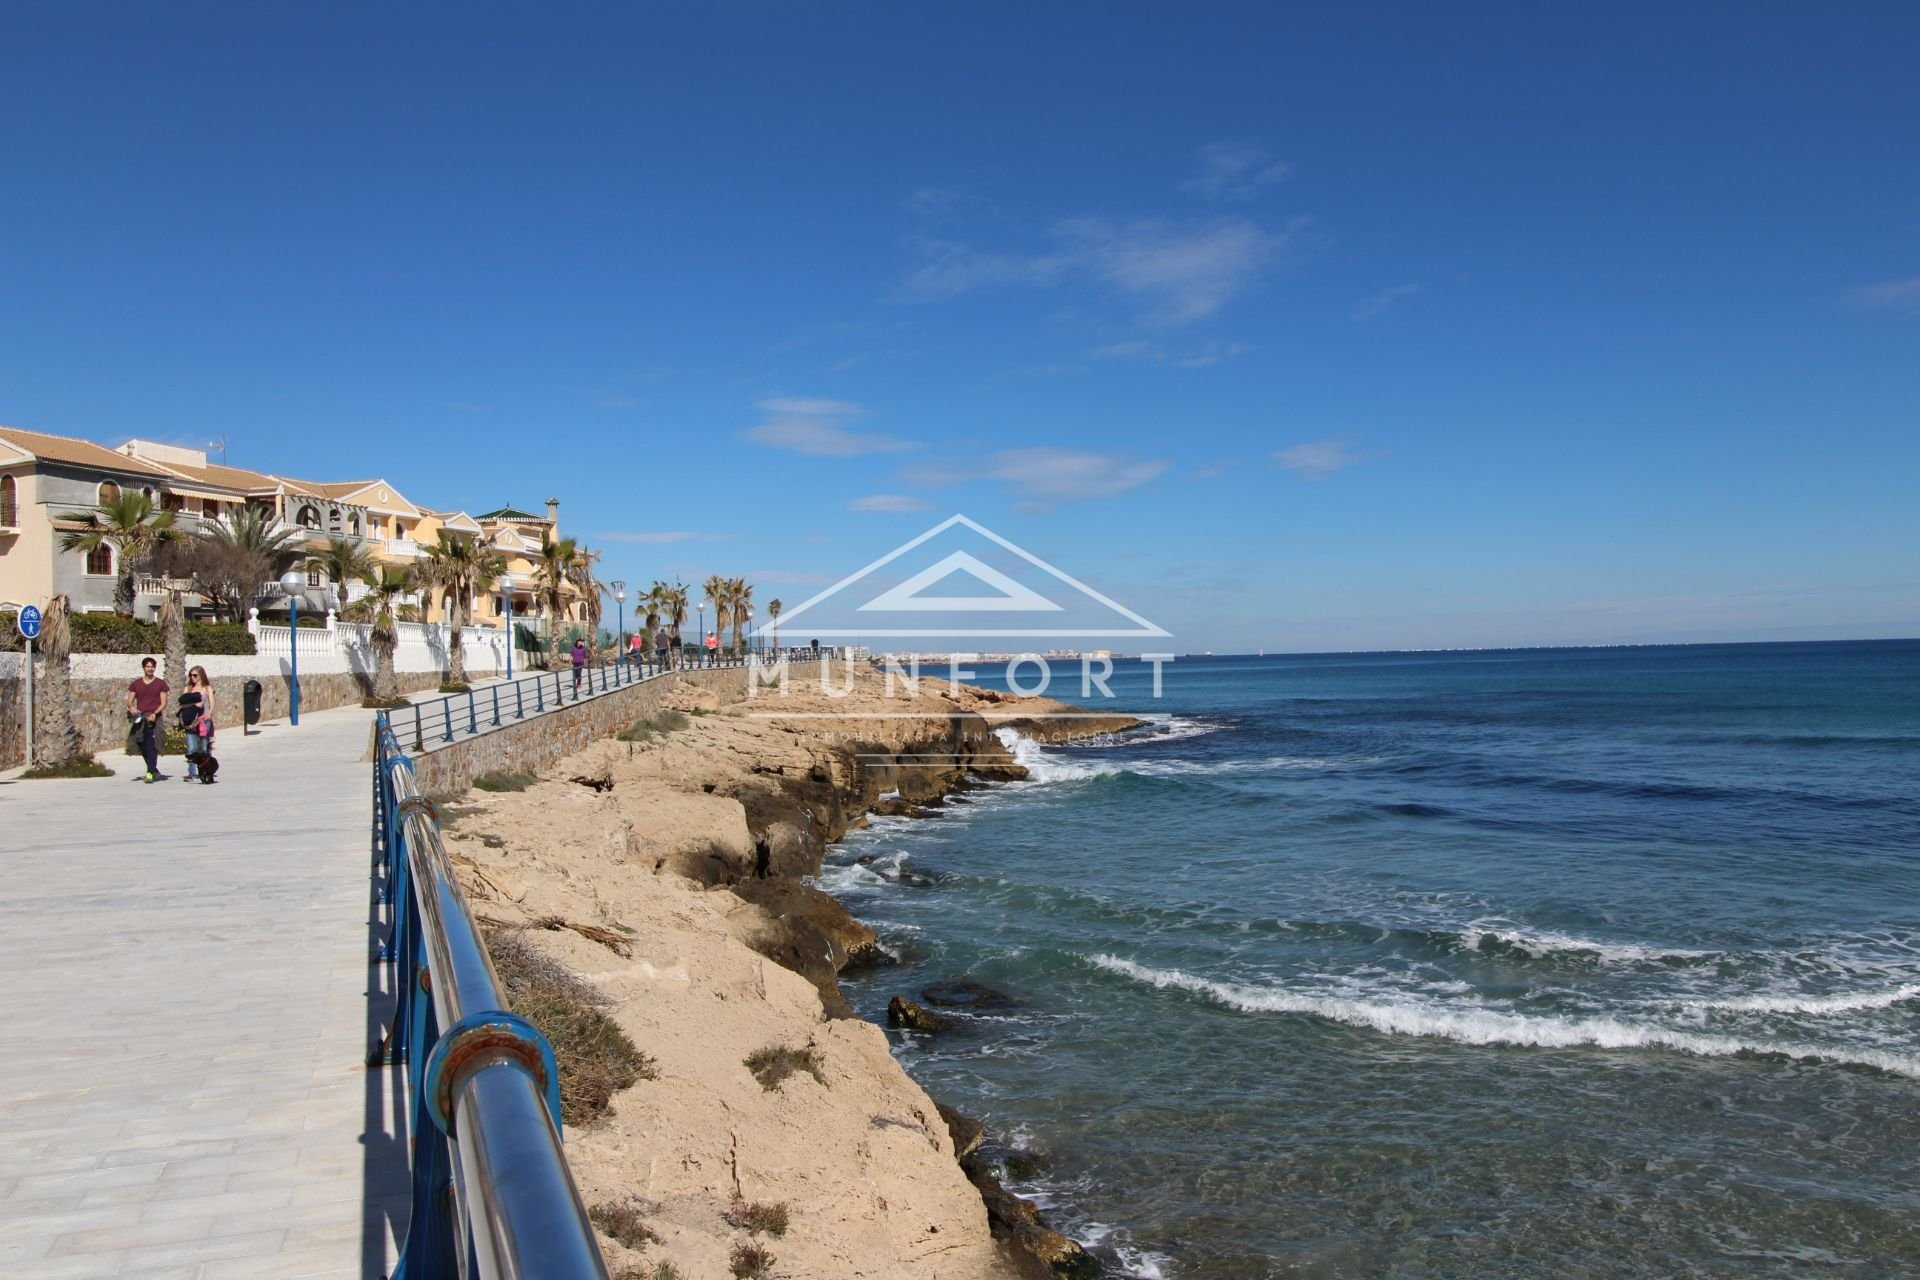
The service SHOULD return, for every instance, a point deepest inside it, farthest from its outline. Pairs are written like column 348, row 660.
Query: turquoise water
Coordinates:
column 1504, row 964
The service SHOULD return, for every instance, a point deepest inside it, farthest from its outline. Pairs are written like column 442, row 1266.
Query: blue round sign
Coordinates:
column 29, row 621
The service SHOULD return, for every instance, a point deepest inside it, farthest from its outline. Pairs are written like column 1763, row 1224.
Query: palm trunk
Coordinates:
column 173, row 633
column 56, row 739
column 123, row 585
column 456, row 642
column 384, row 641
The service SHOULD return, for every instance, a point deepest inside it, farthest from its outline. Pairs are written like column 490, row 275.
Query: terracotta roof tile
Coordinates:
column 83, row 453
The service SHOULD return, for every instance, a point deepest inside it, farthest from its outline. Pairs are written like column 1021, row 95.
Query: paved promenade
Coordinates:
column 185, row 1020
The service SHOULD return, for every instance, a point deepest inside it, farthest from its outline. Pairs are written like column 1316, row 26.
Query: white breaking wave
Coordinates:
column 1053, row 766
column 1541, row 942
column 1491, row 1027
column 1813, row 1005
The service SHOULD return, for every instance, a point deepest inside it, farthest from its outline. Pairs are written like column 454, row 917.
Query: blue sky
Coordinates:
column 1296, row 327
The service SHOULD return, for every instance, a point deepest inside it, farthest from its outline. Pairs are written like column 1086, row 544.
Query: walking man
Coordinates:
column 579, row 663
column 146, row 699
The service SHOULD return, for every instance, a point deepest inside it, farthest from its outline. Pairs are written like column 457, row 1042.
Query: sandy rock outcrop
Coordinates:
column 682, row 855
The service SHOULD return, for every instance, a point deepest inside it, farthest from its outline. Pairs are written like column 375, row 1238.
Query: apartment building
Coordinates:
column 44, row 479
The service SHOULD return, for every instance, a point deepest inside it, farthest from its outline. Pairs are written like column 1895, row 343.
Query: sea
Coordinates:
column 1519, row 963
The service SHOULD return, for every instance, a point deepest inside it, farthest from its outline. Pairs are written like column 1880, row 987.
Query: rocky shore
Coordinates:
column 663, row 874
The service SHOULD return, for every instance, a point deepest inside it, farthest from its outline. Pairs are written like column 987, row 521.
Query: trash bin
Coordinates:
column 251, row 692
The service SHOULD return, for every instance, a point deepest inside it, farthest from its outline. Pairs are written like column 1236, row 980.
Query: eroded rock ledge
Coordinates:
column 683, row 855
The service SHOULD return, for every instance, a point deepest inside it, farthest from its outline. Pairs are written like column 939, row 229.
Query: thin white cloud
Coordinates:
column 1318, row 459
column 1375, row 303
column 1234, row 171
column 669, row 535
column 1153, row 353
column 817, row 427
column 1069, row 475
column 889, row 503
column 1042, row 477
column 1179, row 271
column 1889, row 295
column 1184, row 272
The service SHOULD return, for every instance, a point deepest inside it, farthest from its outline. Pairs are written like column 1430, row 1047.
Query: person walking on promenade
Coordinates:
column 196, row 717
column 579, row 663
column 146, row 699
column 713, row 648
column 662, row 647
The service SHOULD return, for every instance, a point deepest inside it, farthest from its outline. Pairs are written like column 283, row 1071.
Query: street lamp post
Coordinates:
column 506, row 588
column 620, row 598
column 293, row 583
column 749, row 626
column 704, row 654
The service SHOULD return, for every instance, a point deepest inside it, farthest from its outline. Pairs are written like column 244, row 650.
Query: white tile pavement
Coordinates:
column 185, row 1020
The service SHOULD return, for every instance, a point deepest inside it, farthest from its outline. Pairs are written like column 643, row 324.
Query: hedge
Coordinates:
column 110, row 633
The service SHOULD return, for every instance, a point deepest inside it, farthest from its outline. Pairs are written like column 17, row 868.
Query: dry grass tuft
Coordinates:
column 596, row 1058
column 646, row 728
column 659, row 1271
column 750, row 1261
column 775, row 1063
column 757, row 1218
column 626, row 1221
column 502, row 781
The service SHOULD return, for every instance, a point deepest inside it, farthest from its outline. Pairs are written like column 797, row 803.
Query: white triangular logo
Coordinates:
column 1013, row 595
column 910, row 596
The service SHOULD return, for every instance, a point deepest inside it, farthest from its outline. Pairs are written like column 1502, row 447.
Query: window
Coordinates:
column 109, row 492
column 309, row 517
column 315, row 578
column 100, row 561
column 172, row 502
column 9, row 504
column 210, row 508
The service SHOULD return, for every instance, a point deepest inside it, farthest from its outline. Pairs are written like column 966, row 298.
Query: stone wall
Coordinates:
column 100, row 700
column 530, row 745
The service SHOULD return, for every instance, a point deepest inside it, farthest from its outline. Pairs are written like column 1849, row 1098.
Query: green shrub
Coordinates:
column 84, row 767
column 455, row 686
column 385, row 704
column 110, row 633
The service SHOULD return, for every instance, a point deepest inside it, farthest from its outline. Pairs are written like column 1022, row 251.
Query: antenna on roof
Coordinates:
column 221, row 445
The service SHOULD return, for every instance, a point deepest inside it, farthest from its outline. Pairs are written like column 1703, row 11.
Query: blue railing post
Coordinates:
column 473, row 719
column 496, row 706
column 519, row 703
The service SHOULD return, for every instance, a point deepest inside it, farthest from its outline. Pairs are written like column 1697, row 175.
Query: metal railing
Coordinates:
column 493, row 1198
column 435, row 722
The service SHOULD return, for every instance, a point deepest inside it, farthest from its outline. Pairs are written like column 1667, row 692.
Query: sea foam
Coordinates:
column 1493, row 1027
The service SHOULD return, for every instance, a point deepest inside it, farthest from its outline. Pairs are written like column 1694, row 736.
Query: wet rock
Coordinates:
column 904, row 1013
column 1040, row 1251
column 964, row 993
column 966, row 1132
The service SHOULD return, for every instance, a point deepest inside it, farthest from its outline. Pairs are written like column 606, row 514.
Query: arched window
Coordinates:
column 100, row 561
column 309, row 517
column 9, row 504
column 109, row 492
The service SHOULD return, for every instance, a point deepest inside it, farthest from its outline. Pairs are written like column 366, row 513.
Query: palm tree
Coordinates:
column 232, row 558
column 654, row 602
column 343, row 562
column 740, row 596
column 56, row 739
column 552, row 575
column 460, row 567
column 719, row 593
column 385, row 586
column 129, row 524
column 773, row 618
column 677, row 600
column 580, row 573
